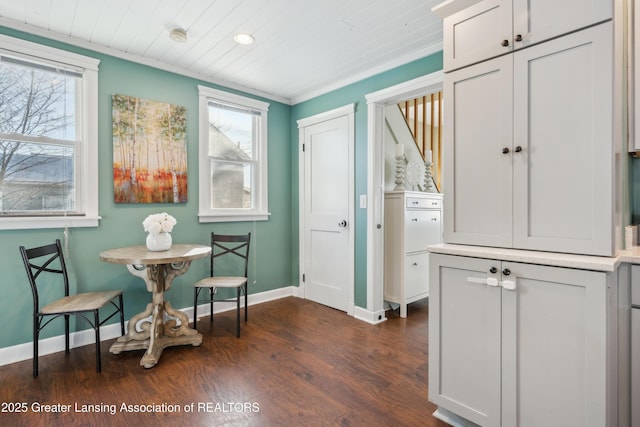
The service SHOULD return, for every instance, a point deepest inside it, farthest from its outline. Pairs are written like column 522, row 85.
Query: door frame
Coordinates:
column 349, row 111
column 376, row 103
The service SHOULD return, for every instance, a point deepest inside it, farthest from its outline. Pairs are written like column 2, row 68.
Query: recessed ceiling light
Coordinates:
column 179, row 35
column 243, row 38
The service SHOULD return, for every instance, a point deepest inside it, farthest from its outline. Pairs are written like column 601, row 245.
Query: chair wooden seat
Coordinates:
column 43, row 265
column 221, row 282
column 225, row 249
column 87, row 301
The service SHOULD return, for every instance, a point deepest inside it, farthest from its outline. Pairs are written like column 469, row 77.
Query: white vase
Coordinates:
column 159, row 242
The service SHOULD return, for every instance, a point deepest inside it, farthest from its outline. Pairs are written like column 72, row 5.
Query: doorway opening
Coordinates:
column 377, row 102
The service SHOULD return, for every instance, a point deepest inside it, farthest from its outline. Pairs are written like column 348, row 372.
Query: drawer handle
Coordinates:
column 414, row 219
column 434, row 219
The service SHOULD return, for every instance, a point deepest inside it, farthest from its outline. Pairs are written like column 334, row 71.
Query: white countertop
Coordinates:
column 582, row 262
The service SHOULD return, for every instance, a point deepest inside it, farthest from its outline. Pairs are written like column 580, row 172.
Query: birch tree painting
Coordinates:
column 149, row 151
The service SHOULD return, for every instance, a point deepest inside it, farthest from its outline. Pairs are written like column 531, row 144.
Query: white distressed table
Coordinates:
column 149, row 330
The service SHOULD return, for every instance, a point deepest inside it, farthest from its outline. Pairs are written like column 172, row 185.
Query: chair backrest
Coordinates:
column 230, row 246
column 44, row 259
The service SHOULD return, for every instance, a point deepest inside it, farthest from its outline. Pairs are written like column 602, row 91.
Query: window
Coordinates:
column 48, row 137
column 233, row 157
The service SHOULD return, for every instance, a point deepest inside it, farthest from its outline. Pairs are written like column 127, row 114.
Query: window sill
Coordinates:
column 31, row 223
column 203, row 218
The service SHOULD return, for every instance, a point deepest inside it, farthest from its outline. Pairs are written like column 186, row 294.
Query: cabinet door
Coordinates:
column 563, row 176
column 635, row 366
column 477, row 33
column 540, row 20
column 464, row 338
column 477, row 175
column 554, row 347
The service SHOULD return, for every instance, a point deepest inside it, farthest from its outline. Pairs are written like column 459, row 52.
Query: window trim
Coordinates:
column 87, row 111
column 260, row 212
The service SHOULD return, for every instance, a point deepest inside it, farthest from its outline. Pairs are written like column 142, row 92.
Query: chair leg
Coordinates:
column 35, row 345
column 66, row 333
column 246, row 297
column 238, row 313
column 121, row 314
column 195, row 307
column 96, row 317
column 211, row 303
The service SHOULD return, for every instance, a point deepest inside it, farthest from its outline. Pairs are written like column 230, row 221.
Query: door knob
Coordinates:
column 342, row 223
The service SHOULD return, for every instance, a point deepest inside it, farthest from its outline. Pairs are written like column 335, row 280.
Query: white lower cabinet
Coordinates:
column 514, row 344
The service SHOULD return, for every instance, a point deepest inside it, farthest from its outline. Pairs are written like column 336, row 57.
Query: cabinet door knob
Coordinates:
column 518, row 149
column 342, row 223
column 506, row 272
column 505, row 43
column 519, row 38
column 493, row 270
column 505, row 150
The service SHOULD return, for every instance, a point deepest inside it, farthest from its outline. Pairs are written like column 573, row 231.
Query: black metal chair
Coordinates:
column 228, row 248
column 50, row 259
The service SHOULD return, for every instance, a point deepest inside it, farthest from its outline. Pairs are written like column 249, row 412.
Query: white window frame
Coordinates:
column 87, row 116
column 260, row 210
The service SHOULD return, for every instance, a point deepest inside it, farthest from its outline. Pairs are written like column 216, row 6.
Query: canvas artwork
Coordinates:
column 149, row 151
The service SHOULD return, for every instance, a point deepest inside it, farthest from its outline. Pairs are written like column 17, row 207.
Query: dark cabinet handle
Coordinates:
column 493, row 270
column 518, row 149
column 506, row 272
column 505, row 150
column 505, row 43
column 519, row 37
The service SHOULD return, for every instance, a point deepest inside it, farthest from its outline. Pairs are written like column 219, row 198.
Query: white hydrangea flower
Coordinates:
column 159, row 223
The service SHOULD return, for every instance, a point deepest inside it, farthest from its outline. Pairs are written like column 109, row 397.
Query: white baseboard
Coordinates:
column 452, row 419
column 20, row 352
column 372, row 317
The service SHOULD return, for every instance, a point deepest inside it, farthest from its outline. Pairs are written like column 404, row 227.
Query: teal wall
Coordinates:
column 121, row 224
column 275, row 246
column 355, row 93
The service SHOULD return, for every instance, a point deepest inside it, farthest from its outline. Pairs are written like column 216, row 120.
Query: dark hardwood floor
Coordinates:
column 297, row 363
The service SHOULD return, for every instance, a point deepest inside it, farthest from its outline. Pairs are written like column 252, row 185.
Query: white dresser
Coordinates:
column 412, row 221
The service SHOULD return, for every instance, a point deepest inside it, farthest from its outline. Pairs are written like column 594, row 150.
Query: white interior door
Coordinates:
column 327, row 249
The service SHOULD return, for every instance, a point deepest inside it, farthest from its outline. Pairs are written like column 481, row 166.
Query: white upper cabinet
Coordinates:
column 529, row 148
column 491, row 28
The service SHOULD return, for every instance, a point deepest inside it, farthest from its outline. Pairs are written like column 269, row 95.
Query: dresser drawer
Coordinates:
column 416, row 275
column 421, row 203
column 422, row 228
